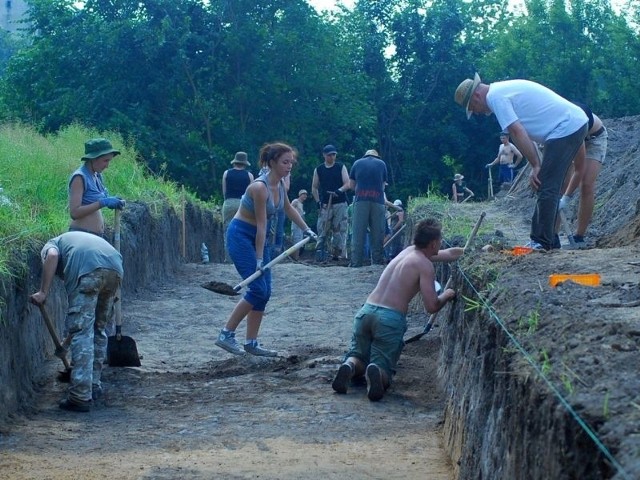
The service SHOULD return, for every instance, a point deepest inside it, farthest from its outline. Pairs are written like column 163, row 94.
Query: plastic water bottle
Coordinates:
column 204, row 253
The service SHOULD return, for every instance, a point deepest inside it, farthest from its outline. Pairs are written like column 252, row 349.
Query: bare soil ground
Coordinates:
column 194, row 411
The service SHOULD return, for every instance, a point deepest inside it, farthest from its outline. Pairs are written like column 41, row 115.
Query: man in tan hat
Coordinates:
column 367, row 177
column 234, row 182
column 87, row 192
column 459, row 190
column 531, row 113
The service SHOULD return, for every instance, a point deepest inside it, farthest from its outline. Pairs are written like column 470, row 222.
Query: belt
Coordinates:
column 596, row 134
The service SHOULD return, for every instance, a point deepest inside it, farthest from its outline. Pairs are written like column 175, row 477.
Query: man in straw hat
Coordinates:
column 234, row 182
column 459, row 189
column 531, row 113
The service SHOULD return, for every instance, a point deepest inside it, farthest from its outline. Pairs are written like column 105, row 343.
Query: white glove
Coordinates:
column 511, row 165
column 310, row 233
column 564, row 202
column 258, row 264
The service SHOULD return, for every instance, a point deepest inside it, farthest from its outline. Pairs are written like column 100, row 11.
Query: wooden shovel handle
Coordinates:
column 475, row 230
column 273, row 262
column 54, row 335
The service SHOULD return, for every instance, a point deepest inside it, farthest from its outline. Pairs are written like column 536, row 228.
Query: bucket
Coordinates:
column 588, row 279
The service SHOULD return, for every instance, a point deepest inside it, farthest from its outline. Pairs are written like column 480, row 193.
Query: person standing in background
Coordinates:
column 234, row 183
column 87, row 193
column 506, row 154
column 367, row 177
column 296, row 231
column 330, row 181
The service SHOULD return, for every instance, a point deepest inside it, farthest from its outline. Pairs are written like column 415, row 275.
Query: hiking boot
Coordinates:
column 254, row 348
column 375, row 387
column 227, row 341
column 578, row 243
column 71, row 406
column 343, row 378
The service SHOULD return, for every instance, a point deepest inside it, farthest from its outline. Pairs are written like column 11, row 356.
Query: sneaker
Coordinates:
column 534, row 245
column 227, row 341
column 254, row 348
column 375, row 388
column 70, row 406
column 343, row 377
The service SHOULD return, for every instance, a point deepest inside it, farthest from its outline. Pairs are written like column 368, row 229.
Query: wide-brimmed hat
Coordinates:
column 457, row 176
column 465, row 91
column 371, row 153
column 303, row 191
column 241, row 158
column 329, row 149
column 96, row 147
column 397, row 203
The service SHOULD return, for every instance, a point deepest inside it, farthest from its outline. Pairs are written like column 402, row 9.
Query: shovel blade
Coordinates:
column 122, row 352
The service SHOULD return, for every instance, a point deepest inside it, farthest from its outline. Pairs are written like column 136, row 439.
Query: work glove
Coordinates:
column 259, row 265
column 113, row 203
column 564, row 202
column 310, row 233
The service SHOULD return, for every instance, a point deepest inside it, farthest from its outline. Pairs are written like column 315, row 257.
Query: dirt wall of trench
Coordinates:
column 500, row 421
column 152, row 244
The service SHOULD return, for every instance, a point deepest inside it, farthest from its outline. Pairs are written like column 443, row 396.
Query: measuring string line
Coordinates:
column 552, row 387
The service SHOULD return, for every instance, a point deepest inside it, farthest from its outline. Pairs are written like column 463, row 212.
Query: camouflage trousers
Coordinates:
column 90, row 307
column 332, row 231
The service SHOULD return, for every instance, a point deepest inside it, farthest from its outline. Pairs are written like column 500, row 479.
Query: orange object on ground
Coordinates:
column 521, row 250
column 589, row 279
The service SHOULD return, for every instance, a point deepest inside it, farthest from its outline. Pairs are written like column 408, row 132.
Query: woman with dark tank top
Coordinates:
column 249, row 237
column 234, row 182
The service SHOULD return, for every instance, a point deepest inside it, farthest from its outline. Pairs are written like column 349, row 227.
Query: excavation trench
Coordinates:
column 466, row 402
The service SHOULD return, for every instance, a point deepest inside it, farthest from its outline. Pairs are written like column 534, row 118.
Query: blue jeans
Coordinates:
column 241, row 241
column 558, row 155
column 371, row 215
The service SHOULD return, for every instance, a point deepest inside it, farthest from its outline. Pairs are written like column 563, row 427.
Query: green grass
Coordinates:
column 34, row 174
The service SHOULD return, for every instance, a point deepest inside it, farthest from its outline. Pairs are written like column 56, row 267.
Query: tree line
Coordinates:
column 190, row 82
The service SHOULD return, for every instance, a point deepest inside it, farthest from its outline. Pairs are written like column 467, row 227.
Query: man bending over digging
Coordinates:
column 380, row 325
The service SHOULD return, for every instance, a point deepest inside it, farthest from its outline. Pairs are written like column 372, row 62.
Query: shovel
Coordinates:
column 61, row 351
column 432, row 317
column 121, row 350
column 226, row 289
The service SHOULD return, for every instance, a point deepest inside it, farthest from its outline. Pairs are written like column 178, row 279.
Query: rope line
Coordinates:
column 552, row 387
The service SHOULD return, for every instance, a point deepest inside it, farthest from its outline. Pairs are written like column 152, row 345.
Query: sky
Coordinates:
column 321, row 5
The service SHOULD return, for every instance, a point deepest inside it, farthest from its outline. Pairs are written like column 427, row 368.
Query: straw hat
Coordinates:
column 457, row 177
column 303, row 191
column 465, row 91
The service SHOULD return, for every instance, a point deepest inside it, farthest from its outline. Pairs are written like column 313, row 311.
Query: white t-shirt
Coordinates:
column 544, row 114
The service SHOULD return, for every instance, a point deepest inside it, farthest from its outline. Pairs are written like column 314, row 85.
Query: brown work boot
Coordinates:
column 343, row 378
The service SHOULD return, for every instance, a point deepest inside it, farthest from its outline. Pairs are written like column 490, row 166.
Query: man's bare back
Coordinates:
column 408, row 273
